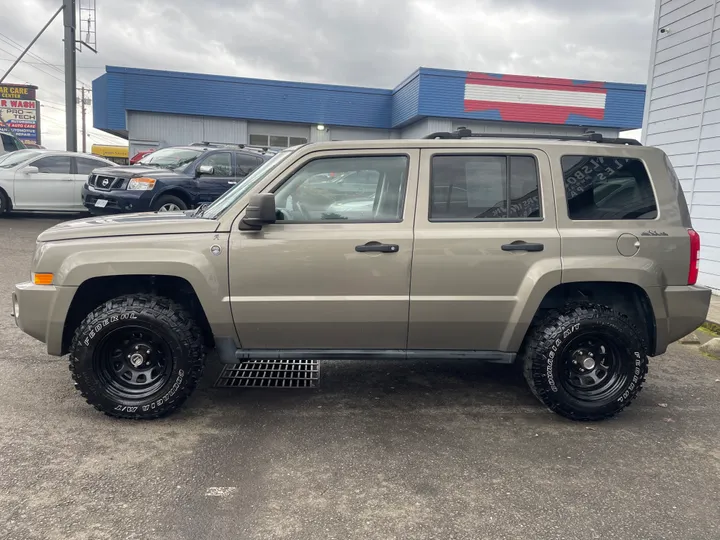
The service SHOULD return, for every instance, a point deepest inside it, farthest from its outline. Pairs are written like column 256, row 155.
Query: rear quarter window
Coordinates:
column 607, row 188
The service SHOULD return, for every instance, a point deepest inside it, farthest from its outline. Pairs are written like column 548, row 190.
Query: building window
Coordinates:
column 276, row 141
column 483, row 187
column 607, row 188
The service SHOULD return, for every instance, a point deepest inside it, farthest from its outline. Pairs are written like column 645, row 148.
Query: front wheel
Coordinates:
column 137, row 356
column 169, row 203
column 585, row 362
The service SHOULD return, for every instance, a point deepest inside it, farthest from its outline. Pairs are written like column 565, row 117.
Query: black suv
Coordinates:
column 171, row 179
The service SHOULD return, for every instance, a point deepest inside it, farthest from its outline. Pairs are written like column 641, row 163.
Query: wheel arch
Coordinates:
column 628, row 298
column 174, row 191
column 8, row 198
column 97, row 290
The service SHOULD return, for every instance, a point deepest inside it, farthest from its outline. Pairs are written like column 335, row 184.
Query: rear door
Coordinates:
column 486, row 241
column 211, row 186
column 244, row 165
column 51, row 188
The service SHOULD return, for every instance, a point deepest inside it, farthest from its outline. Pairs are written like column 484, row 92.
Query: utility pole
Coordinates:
column 83, row 102
column 69, row 22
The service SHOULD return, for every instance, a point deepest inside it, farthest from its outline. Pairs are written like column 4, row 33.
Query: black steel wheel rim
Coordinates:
column 593, row 368
column 133, row 362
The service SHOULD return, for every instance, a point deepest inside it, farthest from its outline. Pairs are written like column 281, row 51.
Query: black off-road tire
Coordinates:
column 545, row 362
column 169, row 199
column 4, row 203
column 173, row 325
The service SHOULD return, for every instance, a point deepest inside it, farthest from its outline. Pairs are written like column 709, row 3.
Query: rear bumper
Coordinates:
column 40, row 312
column 119, row 200
column 687, row 308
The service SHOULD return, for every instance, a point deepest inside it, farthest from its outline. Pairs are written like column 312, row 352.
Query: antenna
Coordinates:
column 87, row 28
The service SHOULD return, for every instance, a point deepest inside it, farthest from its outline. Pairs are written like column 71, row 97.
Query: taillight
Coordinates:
column 694, row 256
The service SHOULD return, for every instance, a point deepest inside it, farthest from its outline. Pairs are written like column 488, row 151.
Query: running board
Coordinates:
column 229, row 354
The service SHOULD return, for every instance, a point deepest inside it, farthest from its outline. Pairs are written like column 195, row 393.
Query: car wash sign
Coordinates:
column 19, row 110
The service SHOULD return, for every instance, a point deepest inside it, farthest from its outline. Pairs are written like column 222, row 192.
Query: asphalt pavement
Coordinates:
column 379, row 450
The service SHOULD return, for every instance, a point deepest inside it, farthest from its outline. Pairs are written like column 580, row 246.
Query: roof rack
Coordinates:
column 253, row 147
column 465, row 133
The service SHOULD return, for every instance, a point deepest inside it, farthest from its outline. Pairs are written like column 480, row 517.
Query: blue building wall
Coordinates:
column 426, row 93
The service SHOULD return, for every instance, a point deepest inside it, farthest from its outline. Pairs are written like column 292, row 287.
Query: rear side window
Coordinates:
column 607, row 188
column 482, row 187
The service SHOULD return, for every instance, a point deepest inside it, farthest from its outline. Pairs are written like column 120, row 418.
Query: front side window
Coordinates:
column 607, row 188
column 53, row 165
column 368, row 189
column 221, row 164
column 482, row 187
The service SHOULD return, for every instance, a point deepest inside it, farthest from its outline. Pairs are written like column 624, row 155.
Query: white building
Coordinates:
column 682, row 113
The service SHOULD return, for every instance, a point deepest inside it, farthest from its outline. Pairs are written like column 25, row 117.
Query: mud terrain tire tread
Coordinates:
column 542, row 335
column 175, row 318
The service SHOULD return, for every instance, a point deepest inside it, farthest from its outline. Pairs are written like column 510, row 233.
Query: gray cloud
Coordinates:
column 356, row 42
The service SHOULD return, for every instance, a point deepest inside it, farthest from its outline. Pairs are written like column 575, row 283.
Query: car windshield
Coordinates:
column 170, row 158
column 8, row 161
column 230, row 197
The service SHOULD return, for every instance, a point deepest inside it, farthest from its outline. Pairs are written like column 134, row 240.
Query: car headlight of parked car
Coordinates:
column 141, row 184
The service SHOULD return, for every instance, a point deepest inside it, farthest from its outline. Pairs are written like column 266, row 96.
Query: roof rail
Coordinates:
column 243, row 146
column 465, row 133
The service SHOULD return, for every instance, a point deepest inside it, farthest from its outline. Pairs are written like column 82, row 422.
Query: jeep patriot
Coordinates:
column 573, row 257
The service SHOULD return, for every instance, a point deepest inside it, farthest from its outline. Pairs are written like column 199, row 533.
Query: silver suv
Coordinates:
column 572, row 257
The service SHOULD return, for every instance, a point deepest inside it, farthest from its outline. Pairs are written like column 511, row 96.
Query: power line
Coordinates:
column 57, row 65
column 36, row 67
column 14, row 43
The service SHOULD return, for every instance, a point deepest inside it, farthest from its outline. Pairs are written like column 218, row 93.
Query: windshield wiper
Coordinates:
column 200, row 210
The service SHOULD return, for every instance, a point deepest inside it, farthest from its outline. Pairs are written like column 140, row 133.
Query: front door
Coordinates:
column 210, row 186
column 51, row 188
column 334, row 271
column 486, row 241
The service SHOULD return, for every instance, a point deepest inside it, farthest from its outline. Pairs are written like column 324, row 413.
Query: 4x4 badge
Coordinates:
column 215, row 249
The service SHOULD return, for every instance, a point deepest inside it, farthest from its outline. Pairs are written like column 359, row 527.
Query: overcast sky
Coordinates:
column 354, row 42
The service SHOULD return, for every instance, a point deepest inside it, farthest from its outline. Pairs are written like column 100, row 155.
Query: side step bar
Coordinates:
column 230, row 354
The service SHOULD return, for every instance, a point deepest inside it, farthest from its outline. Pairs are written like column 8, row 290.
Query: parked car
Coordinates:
column 171, row 179
column 141, row 154
column 10, row 143
column 45, row 180
column 485, row 249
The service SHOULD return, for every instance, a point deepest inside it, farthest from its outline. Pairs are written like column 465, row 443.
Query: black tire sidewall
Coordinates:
column 549, row 365
column 164, row 199
column 4, row 203
column 91, row 335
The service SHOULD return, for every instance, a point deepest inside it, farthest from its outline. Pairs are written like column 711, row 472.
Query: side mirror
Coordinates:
column 260, row 211
column 204, row 169
column 30, row 169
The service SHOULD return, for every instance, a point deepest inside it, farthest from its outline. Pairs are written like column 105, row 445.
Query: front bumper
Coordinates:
column 40, row 311
column 118, row 200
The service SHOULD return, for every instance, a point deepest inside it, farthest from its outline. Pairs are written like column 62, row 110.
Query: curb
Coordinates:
column 714, row 327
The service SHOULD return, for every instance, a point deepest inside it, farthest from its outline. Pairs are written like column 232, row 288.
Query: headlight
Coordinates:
column 141, row 184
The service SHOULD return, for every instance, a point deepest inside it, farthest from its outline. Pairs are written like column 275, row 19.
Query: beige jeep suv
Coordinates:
column 573, row 257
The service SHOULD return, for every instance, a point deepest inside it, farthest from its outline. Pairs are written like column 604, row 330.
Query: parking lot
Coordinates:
column 407, row 450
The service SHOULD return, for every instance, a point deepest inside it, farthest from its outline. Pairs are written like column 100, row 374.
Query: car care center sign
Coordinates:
column 20, row 111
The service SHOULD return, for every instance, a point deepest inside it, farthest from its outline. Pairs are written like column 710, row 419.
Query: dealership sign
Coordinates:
column 19, row 111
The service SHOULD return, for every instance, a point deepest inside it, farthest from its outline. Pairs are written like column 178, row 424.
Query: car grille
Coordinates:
column 105, row 183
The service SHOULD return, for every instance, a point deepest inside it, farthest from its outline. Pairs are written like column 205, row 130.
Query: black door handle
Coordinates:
column 377, row 246
column 521, row 245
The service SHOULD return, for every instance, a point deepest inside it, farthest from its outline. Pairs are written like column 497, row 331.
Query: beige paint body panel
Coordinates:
column 467, row 293
column 303, row 286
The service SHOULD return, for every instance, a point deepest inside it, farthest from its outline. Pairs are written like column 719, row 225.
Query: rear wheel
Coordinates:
column 137, row 356
column 585, row 362
column 169, row 203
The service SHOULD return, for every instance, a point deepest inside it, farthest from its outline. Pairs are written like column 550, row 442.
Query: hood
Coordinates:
column 138, row 170
column 129, row 225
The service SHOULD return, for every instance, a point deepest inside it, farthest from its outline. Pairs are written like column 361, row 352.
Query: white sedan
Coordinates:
column 45, row 180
